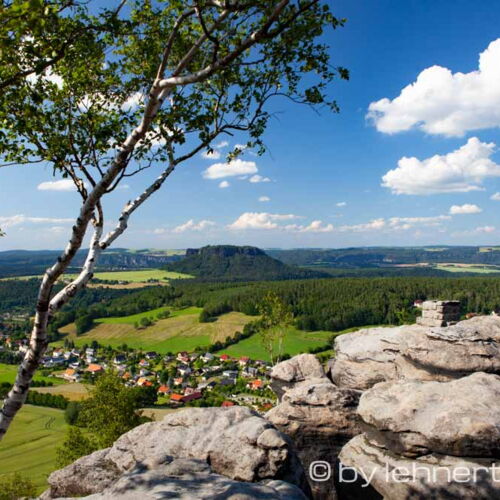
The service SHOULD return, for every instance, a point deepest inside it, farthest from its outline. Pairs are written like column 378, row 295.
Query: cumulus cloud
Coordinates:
column 485, row 229
column 221, row 144
column 15, row 220
column 341, row 204
column 61, row 185
column 47, row 76
column 404, row 223
column 258, row 178
column 224, row 184
column 211, row 155
column 259, row 220
column 233, row 168
column 467, row 208
column 264, row 198
column 133, row 101
column 461, row 170
column 316, row 226
column 446, row 103
column 373, row 225
column 495, row 197
column 191, row 225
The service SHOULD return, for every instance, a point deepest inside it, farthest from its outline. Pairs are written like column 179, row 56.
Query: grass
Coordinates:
column 8, row 374
column 137, row 276
column 74, row 392
column 296, row 341
column 29, row 447
column 133, row 318
column 133, row 276
column 469, row 268
column 180, row 332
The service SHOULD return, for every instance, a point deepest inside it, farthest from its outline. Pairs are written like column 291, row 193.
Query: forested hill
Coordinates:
column 234, row 263
column 387, row 256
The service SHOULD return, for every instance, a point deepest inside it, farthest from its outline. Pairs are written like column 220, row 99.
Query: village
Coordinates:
column 171, row 380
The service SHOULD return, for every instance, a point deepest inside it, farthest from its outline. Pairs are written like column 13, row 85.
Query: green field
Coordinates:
column 296, row 341
column 133, row 318
column 29, row 447
column 180, row 332
column 8, row 374
column 469, row 268
column 134, row 276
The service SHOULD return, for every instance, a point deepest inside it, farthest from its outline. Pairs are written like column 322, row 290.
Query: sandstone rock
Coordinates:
column 366, row 357
column 297, row 369
column 434, row 476
column 236, row 442
column 320, row 418
column 414, row 418
column 469, row 346
column 188, row 479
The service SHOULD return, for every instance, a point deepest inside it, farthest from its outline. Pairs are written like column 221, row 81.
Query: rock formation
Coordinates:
column 318, row 416
column 439, row 313
column 234, row 442
column 430, row 439
column 373, row 355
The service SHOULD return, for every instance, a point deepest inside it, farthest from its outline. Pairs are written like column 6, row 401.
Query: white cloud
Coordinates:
column 485, row 229
column 233, row 168
column 316, row 226
column 341, row 204
column 259, row 178
column 61, row 185
column 221, row 144
column 48, row 76
column 459, row 171
column 373, row 225
column 15, row 220
column 405, row 223
column 159, row 230
column 224, row 184
column 446, row 103
column 259, row 220
column 133, row 101
column 191, row 225
column 467, row 208
column 264, row 198
column 495, row 197
column 211, row 155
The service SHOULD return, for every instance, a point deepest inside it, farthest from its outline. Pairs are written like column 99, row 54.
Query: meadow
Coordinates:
column 29, row 447
column 468, row 268
column 8, row 374
column 180, row 332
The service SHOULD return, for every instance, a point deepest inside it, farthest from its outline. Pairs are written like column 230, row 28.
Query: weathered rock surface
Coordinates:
column 366, row 357
column 320, row 418
column 469, row 346
column 433, row 476
column 414, row 418
column 292, row 371
column 236, row 442
column 188, row 479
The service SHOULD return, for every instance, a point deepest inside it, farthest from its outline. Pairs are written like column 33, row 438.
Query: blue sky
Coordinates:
column 421, row 170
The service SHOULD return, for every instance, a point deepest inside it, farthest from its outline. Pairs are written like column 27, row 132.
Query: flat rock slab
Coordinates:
column 469, row 346
column 437, row 477
column 414, row 418
column 188, row 479
column 366, row 357
column 236, row 442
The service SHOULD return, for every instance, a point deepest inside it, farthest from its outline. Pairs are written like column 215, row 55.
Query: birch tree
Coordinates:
column 146, row 85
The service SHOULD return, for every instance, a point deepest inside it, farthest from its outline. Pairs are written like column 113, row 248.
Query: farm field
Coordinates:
column 468, row 268
column 133, row 318
column 29, row 447
column 182, row 331
column 73, row 391
column 295, row 342
column 8, row 374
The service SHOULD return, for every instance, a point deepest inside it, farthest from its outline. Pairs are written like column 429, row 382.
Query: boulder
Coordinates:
column 441, row 477
column 446, row 353
column 236, row 442
column 320, row 418
column 297, row 369
column 366, row 357
column 189, row 479
column 414, row 418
